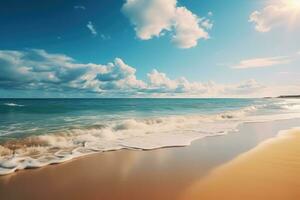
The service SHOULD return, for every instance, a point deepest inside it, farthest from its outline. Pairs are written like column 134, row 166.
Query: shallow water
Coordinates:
column 38, row 132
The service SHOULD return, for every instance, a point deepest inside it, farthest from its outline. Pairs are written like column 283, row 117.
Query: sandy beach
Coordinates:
column 169, row 173
column 269, row 171
column 150, row 100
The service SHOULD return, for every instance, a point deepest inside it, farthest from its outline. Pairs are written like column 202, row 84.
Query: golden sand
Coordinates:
column 167, row 174
column 270, row 171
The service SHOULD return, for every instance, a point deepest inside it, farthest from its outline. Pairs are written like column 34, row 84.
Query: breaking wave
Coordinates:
column 136, row 133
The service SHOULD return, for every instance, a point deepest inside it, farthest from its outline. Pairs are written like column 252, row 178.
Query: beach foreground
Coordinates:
column 269, row 171
column 170, row 173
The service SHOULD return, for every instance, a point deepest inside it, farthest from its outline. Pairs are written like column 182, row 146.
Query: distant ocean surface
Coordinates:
column 38, row 132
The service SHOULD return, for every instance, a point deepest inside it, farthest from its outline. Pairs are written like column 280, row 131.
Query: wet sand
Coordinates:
column 159, row 174
column 269, row 171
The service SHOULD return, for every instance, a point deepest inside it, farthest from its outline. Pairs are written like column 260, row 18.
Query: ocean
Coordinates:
column 39, row 132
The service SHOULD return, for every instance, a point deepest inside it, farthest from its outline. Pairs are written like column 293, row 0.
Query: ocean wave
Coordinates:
column 135, row 133
column 145, row 134
column 236, row 114
column 289, row 105
column 13, row 104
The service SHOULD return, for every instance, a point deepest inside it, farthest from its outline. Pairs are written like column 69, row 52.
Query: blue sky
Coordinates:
column 220, row 47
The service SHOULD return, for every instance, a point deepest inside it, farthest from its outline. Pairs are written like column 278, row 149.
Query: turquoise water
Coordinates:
column 38, row 132
column 23, row 117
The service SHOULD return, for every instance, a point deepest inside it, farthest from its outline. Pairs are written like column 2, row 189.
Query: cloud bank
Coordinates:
column 278, row 13
column 37, row 69
column 154, row 18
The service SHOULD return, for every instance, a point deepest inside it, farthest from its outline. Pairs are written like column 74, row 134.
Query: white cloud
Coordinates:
column 48, row 72
column 152, row 18
column 187, row 29
column 37, row 69
column 80, row 7
column 92, row 28
column 276, row 14
column 105, row 37
column 262, row 62
column 160, row 80
column 159, row 83
column 277, row 90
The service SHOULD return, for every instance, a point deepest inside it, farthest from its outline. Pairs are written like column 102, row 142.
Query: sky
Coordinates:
column 149, row 48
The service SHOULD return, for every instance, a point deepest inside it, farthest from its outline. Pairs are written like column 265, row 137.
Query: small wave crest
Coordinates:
column 13, row 104
column 237, row 114
column 285, row 105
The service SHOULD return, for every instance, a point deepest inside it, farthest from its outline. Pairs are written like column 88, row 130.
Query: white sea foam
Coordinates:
column 13, row 104
column 144, row 134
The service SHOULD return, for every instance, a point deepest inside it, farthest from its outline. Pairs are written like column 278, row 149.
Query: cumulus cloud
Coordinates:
column 39, row 70
column 262, row 62
column 245, row 88
column 153, row 18
column 276, row 14
column 160, row 83
column 92, row 28
column 187, row 30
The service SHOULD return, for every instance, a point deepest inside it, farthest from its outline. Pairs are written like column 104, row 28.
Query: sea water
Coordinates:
column 39, row 132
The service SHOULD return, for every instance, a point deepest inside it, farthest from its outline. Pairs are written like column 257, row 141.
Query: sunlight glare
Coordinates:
column 294, row 3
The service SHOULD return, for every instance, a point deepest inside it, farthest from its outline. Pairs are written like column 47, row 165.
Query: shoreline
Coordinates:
column 127, row 174
column 269, row 171
column 70, row 158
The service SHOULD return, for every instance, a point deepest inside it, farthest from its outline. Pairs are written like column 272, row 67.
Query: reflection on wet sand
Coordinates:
column 269, row 171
